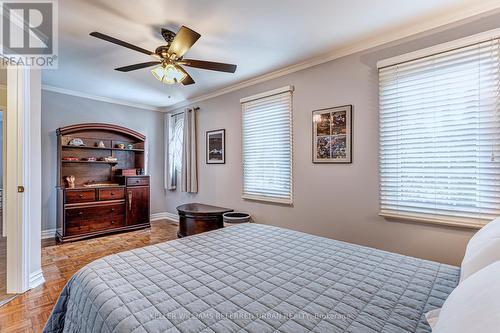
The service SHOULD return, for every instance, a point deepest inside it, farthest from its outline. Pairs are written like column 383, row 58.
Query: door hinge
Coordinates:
column 20, row 189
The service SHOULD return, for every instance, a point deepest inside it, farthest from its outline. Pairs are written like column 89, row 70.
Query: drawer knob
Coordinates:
column 112, row 222
column 112, row 193
column 80, row 213
column 112, row 209
column 81, row 195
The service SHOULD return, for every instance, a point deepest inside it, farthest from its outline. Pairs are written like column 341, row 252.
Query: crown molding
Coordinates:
column 426, row 24
column 482, row 37
column 98, row 98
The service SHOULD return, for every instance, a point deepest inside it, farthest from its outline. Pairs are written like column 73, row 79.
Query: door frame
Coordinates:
column 4, row 221
column 17, row 179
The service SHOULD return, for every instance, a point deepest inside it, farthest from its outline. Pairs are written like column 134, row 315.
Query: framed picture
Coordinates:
column 216, row 147
column 332, row 135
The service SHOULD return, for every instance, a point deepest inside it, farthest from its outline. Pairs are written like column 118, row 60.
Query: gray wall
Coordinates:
column 60, row 110
column 3, row 88
column 337, row 201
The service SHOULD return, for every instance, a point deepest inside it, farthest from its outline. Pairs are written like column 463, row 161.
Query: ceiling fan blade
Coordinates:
column 213, row 66
column 184, row 39
column 120, row 42
column 188, row 79
column 137, row 66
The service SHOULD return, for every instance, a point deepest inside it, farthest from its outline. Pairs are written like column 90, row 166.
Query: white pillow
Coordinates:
column 432, row 317
column 489, row 231
column 479, row 257
column 474, row 305
column 483, row 249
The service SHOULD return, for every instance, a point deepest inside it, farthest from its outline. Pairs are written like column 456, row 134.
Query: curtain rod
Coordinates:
column 182, row 112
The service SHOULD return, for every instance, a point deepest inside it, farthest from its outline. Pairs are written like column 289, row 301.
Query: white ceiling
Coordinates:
column 258, row 35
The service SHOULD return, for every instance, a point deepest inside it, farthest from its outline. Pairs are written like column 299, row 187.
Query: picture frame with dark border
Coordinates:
column 332, row 135
column 216, row 146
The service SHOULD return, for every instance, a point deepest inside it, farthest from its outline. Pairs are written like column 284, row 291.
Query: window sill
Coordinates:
column 435, row 221
column 288, row 202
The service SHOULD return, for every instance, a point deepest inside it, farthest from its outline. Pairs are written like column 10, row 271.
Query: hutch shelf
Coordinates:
column 110, row 192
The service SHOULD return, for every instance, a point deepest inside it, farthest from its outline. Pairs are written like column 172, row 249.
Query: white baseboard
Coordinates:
column 51, row 233
column 36, row 279
column 165, row 216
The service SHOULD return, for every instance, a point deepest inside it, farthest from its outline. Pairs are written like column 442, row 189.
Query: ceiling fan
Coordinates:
column 169, row 57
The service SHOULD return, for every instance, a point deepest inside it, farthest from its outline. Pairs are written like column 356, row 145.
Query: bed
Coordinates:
column 253, row 278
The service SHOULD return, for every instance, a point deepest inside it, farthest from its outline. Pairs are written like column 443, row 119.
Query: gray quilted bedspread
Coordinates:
column 253, row 278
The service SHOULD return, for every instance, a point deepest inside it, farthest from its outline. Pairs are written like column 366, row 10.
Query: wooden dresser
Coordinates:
column 102, row 199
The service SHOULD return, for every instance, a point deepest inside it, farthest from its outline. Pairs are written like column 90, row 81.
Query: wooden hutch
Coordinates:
column 111, row 192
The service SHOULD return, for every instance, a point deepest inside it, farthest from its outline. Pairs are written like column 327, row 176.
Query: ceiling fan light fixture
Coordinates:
column 168, row 74
column 169, row 58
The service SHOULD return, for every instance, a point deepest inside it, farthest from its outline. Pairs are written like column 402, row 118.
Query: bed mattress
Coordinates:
column 253, row 278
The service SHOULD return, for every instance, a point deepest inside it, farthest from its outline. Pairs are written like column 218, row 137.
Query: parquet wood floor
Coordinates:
column 3, row 259
column 29, row 312
column 3, row 266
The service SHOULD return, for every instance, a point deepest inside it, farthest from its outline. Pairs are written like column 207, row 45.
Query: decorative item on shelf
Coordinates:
column 71, row 181
column 108, row 159
column 130, row 146
column 76, row 142
column 100, row 144
column 127, row 172
column 332, row 135
column 216, row 147
column 140, row 171
column 89, row 159
column 120, row 146
column 71, row 159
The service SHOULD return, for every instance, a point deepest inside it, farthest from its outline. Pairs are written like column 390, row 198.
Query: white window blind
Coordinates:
column 267, row 146
column 439, row 136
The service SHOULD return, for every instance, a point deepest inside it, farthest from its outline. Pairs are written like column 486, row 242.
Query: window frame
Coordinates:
column 264, row 198
column 416, row 55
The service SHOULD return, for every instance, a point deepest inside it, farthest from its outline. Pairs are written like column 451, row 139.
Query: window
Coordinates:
column 440, row 134
column 267, row 146
column 176, row 134
column 176, row 143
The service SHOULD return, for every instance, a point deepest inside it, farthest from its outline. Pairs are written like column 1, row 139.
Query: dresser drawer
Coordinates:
column 80, row 220
column 137, row 181
column 76, row 196
column 116, row 193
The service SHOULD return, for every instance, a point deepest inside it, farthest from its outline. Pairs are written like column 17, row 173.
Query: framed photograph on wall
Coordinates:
column 332, row 135
column 216, row 147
